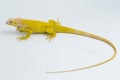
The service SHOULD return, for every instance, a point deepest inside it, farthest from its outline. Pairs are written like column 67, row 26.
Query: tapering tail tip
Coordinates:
column 50, row 72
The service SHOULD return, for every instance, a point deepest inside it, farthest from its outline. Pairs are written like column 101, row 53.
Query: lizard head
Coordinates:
column 13, row 21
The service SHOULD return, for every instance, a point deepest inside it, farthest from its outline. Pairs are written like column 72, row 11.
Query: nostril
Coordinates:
column 6, row 22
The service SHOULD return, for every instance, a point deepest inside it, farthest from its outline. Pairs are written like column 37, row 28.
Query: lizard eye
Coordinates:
column 11, row 21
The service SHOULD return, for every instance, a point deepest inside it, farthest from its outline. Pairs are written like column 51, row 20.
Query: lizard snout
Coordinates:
column 7, row 22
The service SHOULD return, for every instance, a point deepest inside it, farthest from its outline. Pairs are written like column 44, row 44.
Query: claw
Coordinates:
column 21, row 38
column 50, row 37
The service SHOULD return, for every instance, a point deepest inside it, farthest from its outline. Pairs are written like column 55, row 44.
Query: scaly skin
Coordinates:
column 51, row 28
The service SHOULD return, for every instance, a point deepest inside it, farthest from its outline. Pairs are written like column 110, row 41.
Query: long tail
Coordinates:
column 82, row 33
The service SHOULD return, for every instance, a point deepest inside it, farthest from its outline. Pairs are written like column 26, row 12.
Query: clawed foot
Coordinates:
column 50, row 37
column 22, row 38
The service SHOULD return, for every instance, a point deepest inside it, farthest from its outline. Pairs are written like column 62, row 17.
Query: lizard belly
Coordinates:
column 38, row 29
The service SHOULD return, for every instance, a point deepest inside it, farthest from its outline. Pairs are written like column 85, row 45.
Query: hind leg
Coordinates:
column 53, row 22
column 51, row 33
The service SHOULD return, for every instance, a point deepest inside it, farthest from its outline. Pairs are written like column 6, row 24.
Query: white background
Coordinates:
column 30, row 59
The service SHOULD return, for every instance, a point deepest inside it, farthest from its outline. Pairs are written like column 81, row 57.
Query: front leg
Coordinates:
column 27, row 35
column 18, row 29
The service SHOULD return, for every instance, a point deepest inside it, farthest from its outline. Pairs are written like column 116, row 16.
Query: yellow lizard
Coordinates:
column 51, row 28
